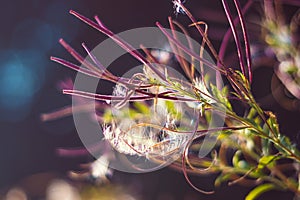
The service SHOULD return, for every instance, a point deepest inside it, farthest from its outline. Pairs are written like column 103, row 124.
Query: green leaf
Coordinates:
column 285, row 141
column 252, row 113
column 259, row 190
column 224, row 134
column 141, row 107
column 225, row 91
column 272, row 121
column 171, row 107
column 267, row 161
column 131, row 113
column 258, row 121
column 236, row 158
column 221, row 96
column 255, row 122
column 223, row 177
column 107, row 116
column 242, row 80
column 236, row 95
column 266, row 146
column 266, row 143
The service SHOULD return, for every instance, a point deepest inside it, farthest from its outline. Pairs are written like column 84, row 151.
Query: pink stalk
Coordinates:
column 178, row 53
column 100, row 97
column 67, row 111
column 225, row 41
column 202, row 33
column 146, row 96
column 92, row 70
column 181, row 46
column 75, row 152
column 87, row 64
column 210, row 46
column 184, row 157
column 72, row 152
column 127, row 47
column 246, row 39
column 106, row 73
column 74, row 67
column 227, row 35
column 96, row 61
column 79, row 58
column 163, row 96
column 202, row 48
column 235, row 36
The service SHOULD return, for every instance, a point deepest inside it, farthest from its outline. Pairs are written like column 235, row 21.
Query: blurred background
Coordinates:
column 29, row 165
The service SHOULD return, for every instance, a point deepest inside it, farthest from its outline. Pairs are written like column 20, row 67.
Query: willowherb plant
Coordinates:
column 160, row 129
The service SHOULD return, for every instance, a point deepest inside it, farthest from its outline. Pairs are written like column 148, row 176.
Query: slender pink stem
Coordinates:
column 227, row 35
column 100, row 27
column 202, row 33
column 67, row 111
column 146, row 96
column 74, row 67
column 235, row 36
column 101, row 97
column 90, row 69
column 96, row 61
column 184, row 157
column 246, row 38
column 75, row 152
column 72, row 152
column 188, row 51
column 84, row 62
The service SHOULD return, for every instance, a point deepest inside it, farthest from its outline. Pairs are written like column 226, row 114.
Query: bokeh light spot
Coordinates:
column 21, row 75
column 17, row 85
column 33, row 33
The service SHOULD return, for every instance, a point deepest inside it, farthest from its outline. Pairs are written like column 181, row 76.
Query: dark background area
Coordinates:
column 29, row 36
